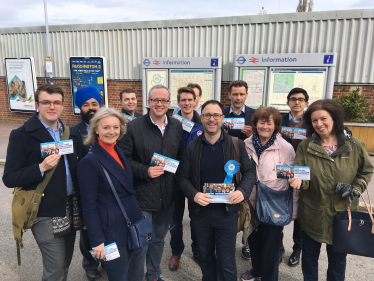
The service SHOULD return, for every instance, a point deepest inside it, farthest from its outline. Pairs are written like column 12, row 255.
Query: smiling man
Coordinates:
column 129, row 102
column 155, row 189
column 88, row 99
column 214, row 225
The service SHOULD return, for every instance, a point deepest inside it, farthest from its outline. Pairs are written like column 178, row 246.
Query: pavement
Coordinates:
column 358, row 268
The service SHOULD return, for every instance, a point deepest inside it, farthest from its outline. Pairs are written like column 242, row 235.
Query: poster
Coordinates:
column 21, row 84
column 255, row 79
column 283, row 80
column 88, row 71
column 181, row 78
column 156, row 77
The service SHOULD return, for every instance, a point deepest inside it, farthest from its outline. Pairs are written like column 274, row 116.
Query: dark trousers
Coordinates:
column 264, row 246
column 88, row 262
column 297, row 236
column 176, row 228
column 310, row 256
column 215, row 232
column 117, row 269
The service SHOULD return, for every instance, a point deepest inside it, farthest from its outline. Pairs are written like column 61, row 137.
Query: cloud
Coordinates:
column 363, row 4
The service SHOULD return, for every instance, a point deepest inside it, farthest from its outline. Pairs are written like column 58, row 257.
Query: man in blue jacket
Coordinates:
column 186, row 100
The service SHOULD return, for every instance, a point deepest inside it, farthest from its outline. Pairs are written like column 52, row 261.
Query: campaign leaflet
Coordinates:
column 169, row 164
column 61, row 147
column 289, row 172
column 186, row 124
column 219, row 191
column 110, row 252
column 129, row 118
column 293, row 133
column 233, row 123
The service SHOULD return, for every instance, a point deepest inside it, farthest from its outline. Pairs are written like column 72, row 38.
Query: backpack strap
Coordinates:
column 235, row 142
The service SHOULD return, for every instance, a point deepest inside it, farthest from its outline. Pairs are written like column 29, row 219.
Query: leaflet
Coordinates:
column 293, row 133
column 233, row 123
column 219, row 191
column 129, row 118
column 186, row 124
column 289, row 172
column 110, row 252
column 169, row 164
column 60, row 147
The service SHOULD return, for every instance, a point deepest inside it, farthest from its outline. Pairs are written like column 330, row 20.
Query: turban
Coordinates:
column 86, row 93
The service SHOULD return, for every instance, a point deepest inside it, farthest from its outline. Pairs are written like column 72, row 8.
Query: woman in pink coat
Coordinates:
column 268, row 149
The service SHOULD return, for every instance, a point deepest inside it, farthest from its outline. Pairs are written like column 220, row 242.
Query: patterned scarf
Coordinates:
column 257, row 143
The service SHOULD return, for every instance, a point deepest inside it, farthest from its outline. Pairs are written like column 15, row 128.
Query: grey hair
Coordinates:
column 158, row 87
column 100, row 114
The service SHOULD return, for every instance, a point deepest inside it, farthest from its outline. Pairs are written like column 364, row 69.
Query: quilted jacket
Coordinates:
column 141, row 141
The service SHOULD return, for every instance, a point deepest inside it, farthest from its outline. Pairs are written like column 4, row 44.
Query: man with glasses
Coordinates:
column 25, row 168
column 199, row 93
column 129, row 102
column 297, row 100
column 155, row 189
column 186, row 100
column 214, row 224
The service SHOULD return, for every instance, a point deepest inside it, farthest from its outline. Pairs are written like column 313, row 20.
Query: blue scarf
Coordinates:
column 257, row 143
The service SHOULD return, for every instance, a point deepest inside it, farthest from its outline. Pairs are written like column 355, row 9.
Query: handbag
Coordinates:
column 274, row 207
column 353, row 232
column 25, row 204
column 140, row 233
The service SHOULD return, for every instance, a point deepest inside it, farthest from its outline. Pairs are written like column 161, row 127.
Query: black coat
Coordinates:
column 189, row 171
column 80, row 131
column 102, row 215
column 136, row 114
column 141, row 141
column 22, row 166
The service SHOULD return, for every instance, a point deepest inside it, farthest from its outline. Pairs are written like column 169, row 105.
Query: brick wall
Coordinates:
column 115, row 86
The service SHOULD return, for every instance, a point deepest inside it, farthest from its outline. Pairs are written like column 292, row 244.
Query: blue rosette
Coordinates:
column 231, row 167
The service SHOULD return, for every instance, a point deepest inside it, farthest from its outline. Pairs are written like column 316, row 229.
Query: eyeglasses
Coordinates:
column 297, row 99
column 47, row 103
column 156, row 101
column 207, row 116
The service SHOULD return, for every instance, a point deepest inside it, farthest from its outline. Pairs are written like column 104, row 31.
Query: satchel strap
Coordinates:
column 370, row 209
column 235, row 142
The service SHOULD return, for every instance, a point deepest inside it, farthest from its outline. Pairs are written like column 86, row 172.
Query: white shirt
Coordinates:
column 162, row 129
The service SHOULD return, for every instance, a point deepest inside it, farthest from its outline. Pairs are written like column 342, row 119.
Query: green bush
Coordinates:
column 355, row 106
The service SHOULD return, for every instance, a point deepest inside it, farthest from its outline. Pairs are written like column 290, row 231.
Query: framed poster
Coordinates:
column 88, row 71
column 21, row 84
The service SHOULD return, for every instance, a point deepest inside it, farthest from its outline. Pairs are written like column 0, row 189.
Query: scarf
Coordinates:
column 257, row 143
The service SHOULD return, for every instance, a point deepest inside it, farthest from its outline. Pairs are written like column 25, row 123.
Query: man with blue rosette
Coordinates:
column 215, row 224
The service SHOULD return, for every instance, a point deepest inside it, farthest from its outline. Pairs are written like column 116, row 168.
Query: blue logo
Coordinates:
column 241, row 60
column 214, row 62
column 146, row 62
column 328, row 59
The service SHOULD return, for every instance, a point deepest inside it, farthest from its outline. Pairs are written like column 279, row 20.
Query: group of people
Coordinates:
column 110, row 154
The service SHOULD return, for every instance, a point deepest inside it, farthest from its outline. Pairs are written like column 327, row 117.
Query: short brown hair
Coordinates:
column 237, row 84
column 333, row 108
column 264, row 113
column 187, row 90
column 50, row 89
column 197, row 86
column 128, row 91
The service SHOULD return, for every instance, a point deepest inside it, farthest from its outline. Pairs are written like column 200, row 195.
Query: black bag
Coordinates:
column 274, row 207
column 353, row 232
column 140, row 233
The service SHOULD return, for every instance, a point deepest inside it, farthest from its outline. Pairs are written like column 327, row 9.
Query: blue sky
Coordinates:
column 17, row 13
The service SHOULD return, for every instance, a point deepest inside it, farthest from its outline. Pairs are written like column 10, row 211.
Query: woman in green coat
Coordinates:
column 338, row 166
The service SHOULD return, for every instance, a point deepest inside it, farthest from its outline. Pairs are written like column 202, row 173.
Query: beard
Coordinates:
column 86, row 117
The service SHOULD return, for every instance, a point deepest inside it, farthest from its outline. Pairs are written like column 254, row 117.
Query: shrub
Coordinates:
column 355, row 106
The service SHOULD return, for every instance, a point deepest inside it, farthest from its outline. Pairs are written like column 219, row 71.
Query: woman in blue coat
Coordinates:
column 101, row 212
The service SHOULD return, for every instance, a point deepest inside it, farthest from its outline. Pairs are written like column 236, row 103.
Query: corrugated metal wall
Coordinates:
column 349, row 33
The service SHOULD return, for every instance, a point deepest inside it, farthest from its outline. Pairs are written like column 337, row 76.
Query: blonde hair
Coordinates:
column 94, row 123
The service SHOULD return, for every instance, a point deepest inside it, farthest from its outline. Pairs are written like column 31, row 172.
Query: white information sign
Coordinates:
column 255, row 79
column 180, row 78
column 283, row 80
column 21, row 83
column 156, row 77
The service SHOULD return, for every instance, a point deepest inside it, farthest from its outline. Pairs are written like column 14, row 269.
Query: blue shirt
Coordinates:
column 290, row 118
column 87, row 128
column 56, row 136
column 240, row 112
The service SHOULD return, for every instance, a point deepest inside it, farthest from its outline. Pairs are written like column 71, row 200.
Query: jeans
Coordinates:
column 215, row 232
column 310, row 256
column 264, row 246
column 176, row 228
column 151, row 254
